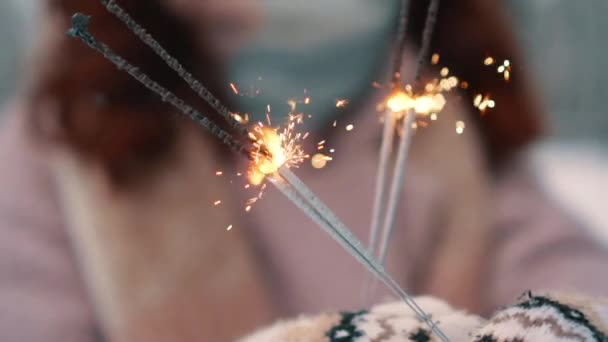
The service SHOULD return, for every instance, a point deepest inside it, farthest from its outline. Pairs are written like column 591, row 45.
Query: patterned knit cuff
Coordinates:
column 548, row 317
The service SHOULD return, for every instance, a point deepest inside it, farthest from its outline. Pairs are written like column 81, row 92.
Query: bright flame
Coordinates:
column 269, row 162
column 425, row 104
column 400, row 102
column 274, row 148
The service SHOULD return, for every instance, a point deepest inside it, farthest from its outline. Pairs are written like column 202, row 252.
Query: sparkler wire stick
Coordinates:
column 79, row 30
column 406, row 138
column 397, row 183
column 293, row 188
column 386, row 146
column 386, row 149
column 173, row 63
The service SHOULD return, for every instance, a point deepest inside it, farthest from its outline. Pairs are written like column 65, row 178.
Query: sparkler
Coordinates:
column 273, row 149
column 406, row 137
column 282, row 178
column 304, row 199
column 386, row 146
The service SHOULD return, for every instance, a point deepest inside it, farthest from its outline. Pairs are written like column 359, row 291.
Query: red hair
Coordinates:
column 468, row 32
column 100, row 111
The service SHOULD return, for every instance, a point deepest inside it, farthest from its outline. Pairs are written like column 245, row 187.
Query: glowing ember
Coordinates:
column 216, row 203
column 460, row 126
column 219, row 173
column 341, row 103
column 505, row 69
column 242, row 119
column 435, row 58
column 320, row 160
column 234, row 89
column 350, row 127
column 229, row 228
column 482, row 102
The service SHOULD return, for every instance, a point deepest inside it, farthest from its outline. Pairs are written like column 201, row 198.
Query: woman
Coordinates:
column 108, row 221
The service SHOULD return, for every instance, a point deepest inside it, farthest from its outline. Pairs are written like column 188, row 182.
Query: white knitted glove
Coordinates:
column 392, row 322
column 534, row 318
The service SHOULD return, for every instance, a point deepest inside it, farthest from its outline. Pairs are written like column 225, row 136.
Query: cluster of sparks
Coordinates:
column 483, row 102
column 277, row 147
column 271, row 149
column 431, row 101
column 504, row 68
column 274, row 148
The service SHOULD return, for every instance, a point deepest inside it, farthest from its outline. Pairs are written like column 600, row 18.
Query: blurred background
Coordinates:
column 564, row 42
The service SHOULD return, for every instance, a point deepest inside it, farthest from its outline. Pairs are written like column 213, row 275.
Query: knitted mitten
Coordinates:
column 554, row 317
column 392, row 322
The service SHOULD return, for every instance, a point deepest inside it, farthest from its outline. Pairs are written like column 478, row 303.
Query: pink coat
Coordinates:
column 473, row 238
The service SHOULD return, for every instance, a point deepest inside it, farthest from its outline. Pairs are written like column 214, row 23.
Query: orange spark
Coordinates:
column 234, row 89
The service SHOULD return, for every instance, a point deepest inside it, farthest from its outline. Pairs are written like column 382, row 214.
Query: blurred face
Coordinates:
column 222, row 24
